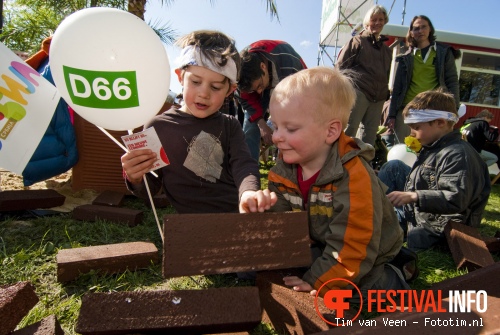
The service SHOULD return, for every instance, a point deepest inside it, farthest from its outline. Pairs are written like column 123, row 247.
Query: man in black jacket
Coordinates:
column 477, row 131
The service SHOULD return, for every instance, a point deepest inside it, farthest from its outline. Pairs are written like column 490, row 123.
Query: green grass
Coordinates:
column 28, row 249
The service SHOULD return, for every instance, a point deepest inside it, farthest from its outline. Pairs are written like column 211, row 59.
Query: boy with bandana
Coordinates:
column 210, row 170
column 449, row 180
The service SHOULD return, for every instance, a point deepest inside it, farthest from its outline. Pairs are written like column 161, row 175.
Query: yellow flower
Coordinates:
column 412, row 143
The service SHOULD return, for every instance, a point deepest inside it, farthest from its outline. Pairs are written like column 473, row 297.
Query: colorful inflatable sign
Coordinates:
column 110, row 67
column 27, row 104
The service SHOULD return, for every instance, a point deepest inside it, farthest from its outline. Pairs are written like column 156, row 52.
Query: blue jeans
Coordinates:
column 252, row 137
column 393, row 174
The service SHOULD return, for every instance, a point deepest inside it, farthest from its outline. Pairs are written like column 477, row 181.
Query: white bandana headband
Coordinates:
column 426, row 115
column 191, row 55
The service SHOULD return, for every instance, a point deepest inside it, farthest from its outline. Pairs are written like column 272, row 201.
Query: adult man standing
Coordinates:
column 264, row 64
column 426, row 65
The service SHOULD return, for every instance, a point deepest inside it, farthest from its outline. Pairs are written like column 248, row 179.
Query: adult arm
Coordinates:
column 347, row 55
column 397, row 89
column 451, row 76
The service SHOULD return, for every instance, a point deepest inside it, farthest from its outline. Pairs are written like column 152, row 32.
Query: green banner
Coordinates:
column 102, row 89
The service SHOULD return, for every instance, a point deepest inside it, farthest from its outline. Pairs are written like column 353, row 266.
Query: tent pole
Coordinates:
column 319, row 49
column 404, row 12
column 346, row 18
column 337, row 33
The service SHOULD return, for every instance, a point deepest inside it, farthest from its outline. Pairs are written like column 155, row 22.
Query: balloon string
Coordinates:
column 130, row 132
column 112, row 138
column 144, row 177
column 153, row 207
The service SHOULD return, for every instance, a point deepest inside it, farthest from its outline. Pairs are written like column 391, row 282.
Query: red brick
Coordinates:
column 131, row 217
column 16, row 200
column 15, row 303
column 110, row 258
column 492, row 243
column 466, row 246
column 213, row 310
column 288, row 311
column 232, row 242
column 47, row 326
column 109, row 198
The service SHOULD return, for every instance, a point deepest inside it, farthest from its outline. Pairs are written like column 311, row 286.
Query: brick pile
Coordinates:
column 18, row 200
column 110, row 258
column 231, row 242
column 15, row 303
column 206, row 311
column 47, row 326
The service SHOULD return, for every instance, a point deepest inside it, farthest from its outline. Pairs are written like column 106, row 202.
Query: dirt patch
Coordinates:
column 60, row 183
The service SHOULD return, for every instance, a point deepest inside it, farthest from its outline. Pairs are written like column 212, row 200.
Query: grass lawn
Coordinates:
column 28, row 248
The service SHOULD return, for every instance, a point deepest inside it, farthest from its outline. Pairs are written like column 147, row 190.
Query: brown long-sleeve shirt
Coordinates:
column 210, row 164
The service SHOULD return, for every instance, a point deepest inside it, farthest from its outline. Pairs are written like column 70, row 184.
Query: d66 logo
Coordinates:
column 102, row 89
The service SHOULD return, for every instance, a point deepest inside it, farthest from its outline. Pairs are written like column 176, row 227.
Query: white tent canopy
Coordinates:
column 340, row 19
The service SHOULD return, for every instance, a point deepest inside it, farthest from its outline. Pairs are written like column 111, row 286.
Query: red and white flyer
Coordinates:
column 147, row 139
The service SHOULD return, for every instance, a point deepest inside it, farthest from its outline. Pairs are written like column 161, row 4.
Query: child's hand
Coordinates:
column 398, row 198
column 257, row 201
column 298, row 284
column 137, row 163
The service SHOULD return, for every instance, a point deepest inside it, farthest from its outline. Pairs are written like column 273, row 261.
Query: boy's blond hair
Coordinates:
column 437, row 99
column 331, row 88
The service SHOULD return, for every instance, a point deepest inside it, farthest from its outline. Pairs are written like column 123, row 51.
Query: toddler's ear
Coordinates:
column 231, row 89
column 334, row 130
column 179, row 74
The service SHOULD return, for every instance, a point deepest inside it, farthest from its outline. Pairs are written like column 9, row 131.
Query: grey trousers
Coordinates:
column 368, row 113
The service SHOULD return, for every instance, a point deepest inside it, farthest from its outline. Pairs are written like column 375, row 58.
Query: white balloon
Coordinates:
column 462, row 110
column 110, row 67
column 402, row 153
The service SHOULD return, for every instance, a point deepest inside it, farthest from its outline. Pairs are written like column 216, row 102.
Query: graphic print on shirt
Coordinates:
column 205, row 156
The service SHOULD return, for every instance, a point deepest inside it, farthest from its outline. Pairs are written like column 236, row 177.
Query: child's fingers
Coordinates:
column 274, row 198
column 292, row 280
column 266, row 199
column 141, row 160
column 248, row 206
column 137, row 163
column 297, row 283
column 247, row 202
column 135, row 153
column 263, row 200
